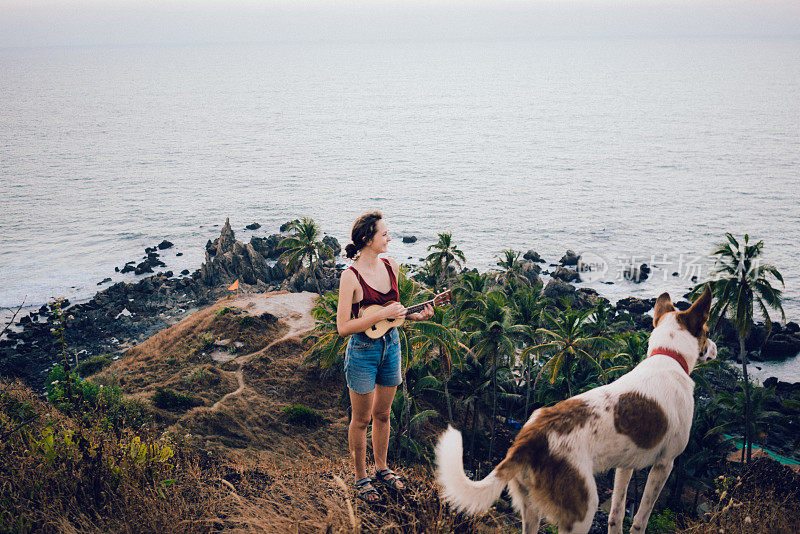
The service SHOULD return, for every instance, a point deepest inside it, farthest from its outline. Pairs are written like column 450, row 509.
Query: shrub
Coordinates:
column 224, row 311
column 103, row 403
column 168, row 399
column 204, row 342
column 245, row 321
column 663, row 522
column 297, row 414
column 93, row 365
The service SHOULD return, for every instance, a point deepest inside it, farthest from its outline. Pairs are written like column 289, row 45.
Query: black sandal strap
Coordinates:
column 363, row 492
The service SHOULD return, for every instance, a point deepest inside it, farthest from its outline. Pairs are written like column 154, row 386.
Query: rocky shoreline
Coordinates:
column 126, row 313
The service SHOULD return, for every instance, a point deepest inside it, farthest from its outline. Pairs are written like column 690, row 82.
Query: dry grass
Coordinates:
column 760, row 498
column 239, row 467
column 289, row 490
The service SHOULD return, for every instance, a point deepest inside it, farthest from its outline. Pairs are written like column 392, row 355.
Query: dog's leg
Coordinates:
column 585, row 524
column 522, row 502
column 655, row 482
column 622, row 478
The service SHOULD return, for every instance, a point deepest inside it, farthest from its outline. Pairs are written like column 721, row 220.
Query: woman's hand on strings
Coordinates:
column 395, row 310
column 426, row 313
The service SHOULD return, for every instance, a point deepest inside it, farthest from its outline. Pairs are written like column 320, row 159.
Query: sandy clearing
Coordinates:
column 291, row 309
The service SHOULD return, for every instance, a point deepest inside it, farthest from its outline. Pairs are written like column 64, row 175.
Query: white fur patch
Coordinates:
column 462, row 493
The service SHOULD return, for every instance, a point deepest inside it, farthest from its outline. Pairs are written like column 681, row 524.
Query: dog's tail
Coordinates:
column 462, row 493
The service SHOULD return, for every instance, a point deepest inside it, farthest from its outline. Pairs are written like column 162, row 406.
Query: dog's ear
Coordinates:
column 663, row 306
column 695, row 317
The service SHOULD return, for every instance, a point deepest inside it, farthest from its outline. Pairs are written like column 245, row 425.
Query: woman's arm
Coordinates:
column 344, row 324
column 427, row 312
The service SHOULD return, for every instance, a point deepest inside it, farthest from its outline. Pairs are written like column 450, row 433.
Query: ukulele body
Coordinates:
column 381, row 327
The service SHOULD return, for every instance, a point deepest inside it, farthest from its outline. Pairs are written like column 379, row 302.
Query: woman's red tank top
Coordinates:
column 372, row 296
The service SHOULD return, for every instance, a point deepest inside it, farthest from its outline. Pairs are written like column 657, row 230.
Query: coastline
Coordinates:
column 125, row 313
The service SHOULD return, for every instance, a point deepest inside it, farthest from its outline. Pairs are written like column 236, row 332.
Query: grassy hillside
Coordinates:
column 219, row 424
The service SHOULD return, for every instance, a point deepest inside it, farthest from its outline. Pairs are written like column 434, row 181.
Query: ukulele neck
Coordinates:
column 419, row 307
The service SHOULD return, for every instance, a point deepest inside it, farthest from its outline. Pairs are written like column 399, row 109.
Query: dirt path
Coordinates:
column 292, row 309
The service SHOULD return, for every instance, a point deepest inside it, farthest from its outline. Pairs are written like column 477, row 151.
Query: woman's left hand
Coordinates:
column 426, row 313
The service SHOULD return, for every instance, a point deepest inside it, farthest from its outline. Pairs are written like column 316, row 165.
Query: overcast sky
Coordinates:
column 123, row 22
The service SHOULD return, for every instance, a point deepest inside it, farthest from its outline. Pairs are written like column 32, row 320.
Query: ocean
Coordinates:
column 630, row 150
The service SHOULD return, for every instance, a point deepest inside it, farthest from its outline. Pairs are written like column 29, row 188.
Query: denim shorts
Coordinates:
column 370, row 361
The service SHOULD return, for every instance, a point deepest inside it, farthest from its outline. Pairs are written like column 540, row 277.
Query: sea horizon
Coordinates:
column 638, row 150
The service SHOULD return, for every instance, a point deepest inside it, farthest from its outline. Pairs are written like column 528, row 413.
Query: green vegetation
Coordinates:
column 502, row 350
column 300, row 415
column 304, row 248
column 168, row 399
column 740, row 281
column 93, row 365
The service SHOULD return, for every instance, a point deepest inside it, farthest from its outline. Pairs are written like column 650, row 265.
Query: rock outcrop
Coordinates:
column 570, row 258
column 566, row 274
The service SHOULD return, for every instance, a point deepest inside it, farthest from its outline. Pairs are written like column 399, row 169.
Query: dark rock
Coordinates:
column 566, row 274
column 570, row 258
column 779, row 347
column 756, row 337
column 165, row 245
column 792, row 327
column 142, row 268
column 116, row 269
column 285, row 226
column 226, row 238
column 409, row 239
column 533, row 256
column 636, row 274
column 682, row 305
column 211, row 248
column 128, row 268
column 587, row 297
column 235, row 260
column 185, row 272
column 333, row 243
column 103, row 281
column 253, row 226
column 557, row 289
column 530, row 270
column 634, row 305
column 269, row 246
column 179, row 253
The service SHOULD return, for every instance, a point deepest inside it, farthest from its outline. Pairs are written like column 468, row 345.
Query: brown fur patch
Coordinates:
column 695, row 318
column 554, row 480
column 663, row 306
column 564, row 416
column 641, row 419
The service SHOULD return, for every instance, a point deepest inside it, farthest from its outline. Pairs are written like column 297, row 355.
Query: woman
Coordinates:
column 372, row 366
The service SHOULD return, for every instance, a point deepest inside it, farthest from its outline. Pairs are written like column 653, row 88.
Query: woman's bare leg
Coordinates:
column 357, row 431
column 381, row 409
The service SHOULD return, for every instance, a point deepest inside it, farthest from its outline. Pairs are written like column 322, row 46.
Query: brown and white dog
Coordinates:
column 640, row 420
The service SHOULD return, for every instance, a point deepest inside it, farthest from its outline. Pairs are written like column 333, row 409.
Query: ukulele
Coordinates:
column 383, row 326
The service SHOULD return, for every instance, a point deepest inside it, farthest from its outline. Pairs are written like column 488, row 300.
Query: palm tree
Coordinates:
column 434, row 338
column 445, row 254
column 739, row 280
column 303, row 247
column 469, row 292
column 567, row 342
column 491, row 326
column 329, row 347
column 510, row 269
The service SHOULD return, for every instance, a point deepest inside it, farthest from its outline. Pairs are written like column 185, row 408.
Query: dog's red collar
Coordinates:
column 674, row 354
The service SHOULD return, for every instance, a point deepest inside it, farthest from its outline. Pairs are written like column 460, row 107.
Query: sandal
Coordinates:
column 367, row 492
column 390, row 479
